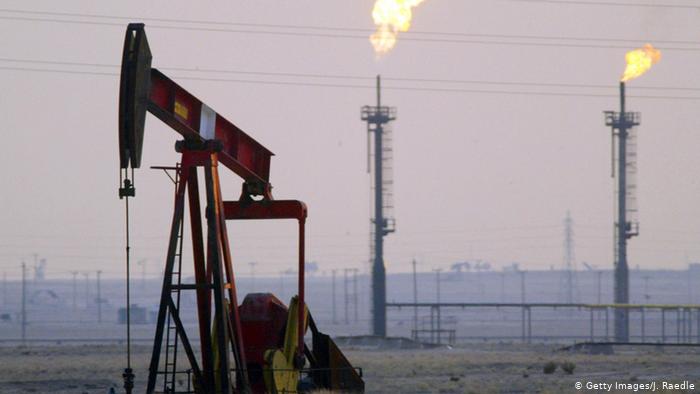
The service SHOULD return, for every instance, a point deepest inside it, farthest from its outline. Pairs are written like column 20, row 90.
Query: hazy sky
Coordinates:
column 478, row 174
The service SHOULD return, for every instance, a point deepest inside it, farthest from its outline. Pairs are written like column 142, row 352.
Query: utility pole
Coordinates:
column 36, row 267
column 690, row 288
column 600, row 287
column 87, row 289
column 569, row 262
column 522, row 300
column 335, row 321
column 99, row 298
column 345, row 289
column 415, row 300
column 503, row 286
column 143, row 263
column 437, row 309
column 4, row 288
column 281, row 283
column 382, row 224
column 24, row 303
column 437, row 283
column 690, row 285
column 75, row 290
column 647, row 296
column 354, row 293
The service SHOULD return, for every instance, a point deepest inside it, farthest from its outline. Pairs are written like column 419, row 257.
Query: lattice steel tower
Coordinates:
column 627, row 226
column 569, row 285
column 383, row 223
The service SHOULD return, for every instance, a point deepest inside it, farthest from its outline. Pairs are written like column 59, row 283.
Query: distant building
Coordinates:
column 138, row 315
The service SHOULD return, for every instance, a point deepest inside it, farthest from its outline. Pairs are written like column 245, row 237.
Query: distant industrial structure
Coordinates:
column 569, row 285
column 624, row 169
column 378, row 120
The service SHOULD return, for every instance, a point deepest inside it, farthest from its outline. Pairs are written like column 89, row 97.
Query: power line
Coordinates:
column 441, row 230
column 350, row 86
column 266, row 238
column 442, row 90
column 346, row 36
column 57, row 62
column 610, row 3
column 46, row 70
column 190, row 21
column 351, row 77
column 336, row 28
column 501, row 236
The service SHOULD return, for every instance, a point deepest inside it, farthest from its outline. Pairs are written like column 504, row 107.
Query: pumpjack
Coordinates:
column 255, row 347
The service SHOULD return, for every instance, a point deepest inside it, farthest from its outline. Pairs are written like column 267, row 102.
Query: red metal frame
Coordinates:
column 208, row 277
column 209, row 139
column 182, row 111
column 246, row 209
column 244, row 156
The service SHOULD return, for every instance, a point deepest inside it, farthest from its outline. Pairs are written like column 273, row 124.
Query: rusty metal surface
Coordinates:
column 182, row 111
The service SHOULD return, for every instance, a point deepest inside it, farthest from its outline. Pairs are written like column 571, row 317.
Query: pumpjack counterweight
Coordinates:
column 231, row 359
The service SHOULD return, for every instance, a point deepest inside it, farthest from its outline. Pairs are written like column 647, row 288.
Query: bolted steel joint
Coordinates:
column 199, row 145
column 127, row 190
column 128, row 376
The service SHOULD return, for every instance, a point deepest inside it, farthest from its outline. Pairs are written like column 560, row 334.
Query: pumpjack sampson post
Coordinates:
column 255, row 347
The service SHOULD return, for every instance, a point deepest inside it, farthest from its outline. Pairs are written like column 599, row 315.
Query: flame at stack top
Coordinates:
column 640, row 61
column 391, row 17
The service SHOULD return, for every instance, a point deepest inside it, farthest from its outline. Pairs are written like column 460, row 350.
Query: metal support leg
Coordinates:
column 185, row 341
column 607, row 324
column 663, row 325
column 522, row 323
column 234, row 321
column 302, row 300
column 678, row 325
column 203, row 294
column 683, row 325
column 591, row 324
column 643, row 332
column 215, row 261
column 439, row 328
column 529, row 325
column 167, row 283
column 432, row 324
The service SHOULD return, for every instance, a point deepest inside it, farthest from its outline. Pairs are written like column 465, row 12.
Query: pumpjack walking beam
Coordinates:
column 208, row 139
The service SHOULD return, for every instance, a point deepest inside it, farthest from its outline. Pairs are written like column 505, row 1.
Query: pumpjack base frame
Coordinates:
column 220, row 335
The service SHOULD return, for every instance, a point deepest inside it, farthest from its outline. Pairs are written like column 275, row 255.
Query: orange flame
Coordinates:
column 390, row 17
column 640, row 61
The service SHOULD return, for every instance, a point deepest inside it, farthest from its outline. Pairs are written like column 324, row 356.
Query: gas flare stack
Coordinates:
column 626, row 227
column 378, row 120
column 624, row 168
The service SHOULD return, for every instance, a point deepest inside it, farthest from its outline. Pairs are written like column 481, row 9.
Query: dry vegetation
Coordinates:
column 472, row 369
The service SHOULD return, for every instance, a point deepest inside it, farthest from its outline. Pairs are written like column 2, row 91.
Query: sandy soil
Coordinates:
column 470, row 369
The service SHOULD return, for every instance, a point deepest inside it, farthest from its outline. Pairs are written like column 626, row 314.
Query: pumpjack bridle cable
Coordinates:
column 126, row 191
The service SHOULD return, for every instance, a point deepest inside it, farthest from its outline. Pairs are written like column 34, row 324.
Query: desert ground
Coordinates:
column 478, row 368
column 68, row 351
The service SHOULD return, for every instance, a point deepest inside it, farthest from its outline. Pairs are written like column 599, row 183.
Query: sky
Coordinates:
column 486, row 164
